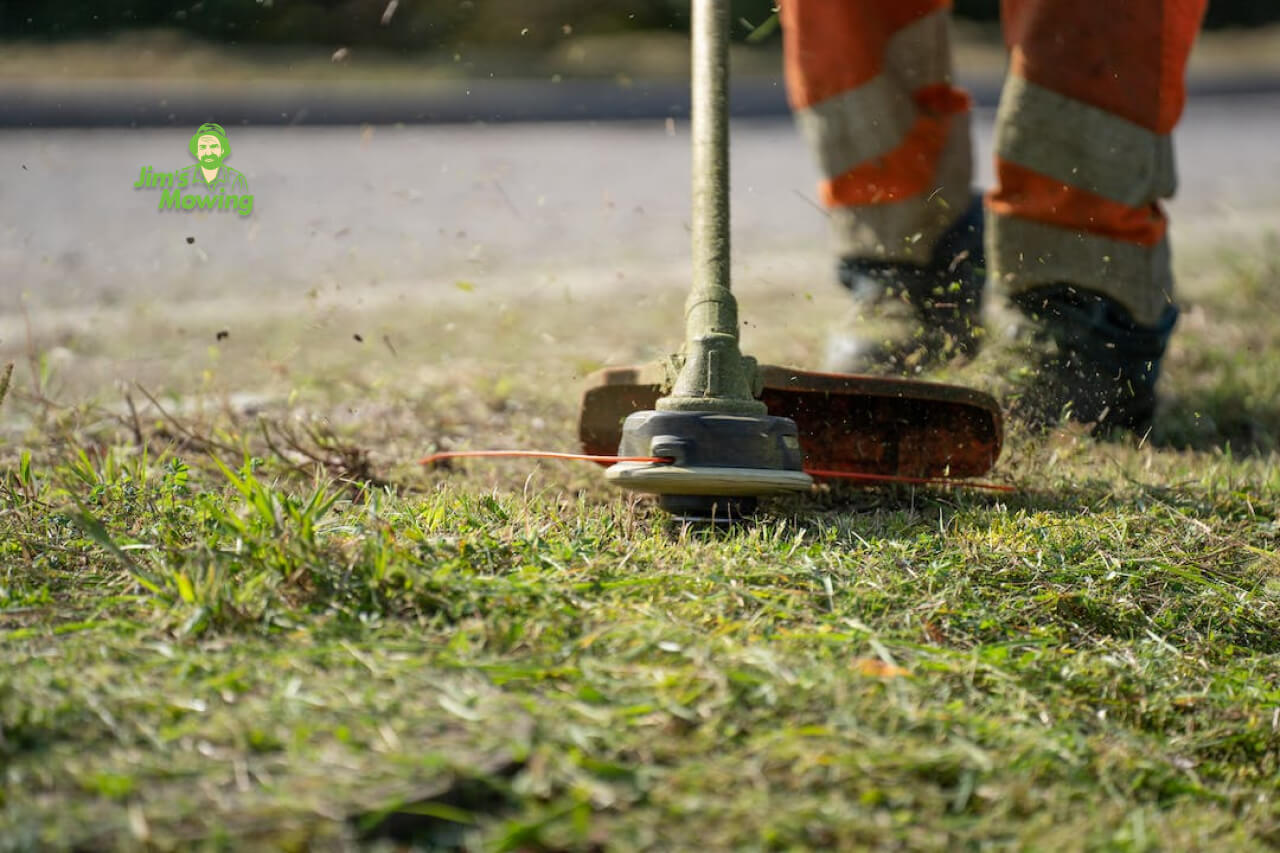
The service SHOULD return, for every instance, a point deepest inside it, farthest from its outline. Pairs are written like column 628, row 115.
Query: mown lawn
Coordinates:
column 234, row 612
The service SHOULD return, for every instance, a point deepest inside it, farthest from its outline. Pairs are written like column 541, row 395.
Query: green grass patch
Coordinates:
column 228, row 623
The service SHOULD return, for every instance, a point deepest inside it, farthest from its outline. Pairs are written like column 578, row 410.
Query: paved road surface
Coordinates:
column 513, row 206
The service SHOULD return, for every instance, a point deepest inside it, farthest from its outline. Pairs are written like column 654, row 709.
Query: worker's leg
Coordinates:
column 1083, row 147
column 870, row 84
column 1076, row 237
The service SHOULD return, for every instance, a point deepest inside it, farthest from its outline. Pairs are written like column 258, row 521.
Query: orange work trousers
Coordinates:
column 1083, row 147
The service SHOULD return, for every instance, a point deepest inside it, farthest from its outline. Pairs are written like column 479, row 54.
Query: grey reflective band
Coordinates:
column 1023, row 254
column 1083, row 146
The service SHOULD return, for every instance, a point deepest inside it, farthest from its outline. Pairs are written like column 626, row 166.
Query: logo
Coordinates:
column 207, row 184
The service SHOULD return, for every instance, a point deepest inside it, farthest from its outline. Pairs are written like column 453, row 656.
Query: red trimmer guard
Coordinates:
column 851, row 424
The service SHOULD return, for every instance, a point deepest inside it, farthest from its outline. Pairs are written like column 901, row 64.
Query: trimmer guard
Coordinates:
column 847, row 423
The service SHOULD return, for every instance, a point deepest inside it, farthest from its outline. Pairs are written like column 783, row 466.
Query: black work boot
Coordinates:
column 906, row 317
column 1090, row 362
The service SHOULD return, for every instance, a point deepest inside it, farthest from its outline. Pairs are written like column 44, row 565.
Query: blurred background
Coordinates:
column 444, row 164
column 416, row 41
column 468, row 36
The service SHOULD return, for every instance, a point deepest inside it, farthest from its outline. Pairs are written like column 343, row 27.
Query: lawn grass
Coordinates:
column 233, row 612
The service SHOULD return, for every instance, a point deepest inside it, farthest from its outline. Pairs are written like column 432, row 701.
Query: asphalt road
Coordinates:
column 123, row 102
column 513, row 206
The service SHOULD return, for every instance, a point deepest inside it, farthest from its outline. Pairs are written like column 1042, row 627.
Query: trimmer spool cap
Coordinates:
column 720, row 462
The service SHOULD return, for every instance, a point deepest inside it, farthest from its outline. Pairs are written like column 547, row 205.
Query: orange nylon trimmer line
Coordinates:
column 910, row 481
column 664, row 460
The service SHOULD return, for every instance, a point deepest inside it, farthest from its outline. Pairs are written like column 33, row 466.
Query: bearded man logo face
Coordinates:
column 210, row 147
column 209, row 151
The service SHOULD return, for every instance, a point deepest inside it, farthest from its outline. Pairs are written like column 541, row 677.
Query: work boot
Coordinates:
column 1088, row 360
column 906, row 317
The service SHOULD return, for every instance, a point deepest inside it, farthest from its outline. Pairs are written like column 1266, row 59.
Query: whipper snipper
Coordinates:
column 713, row 422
